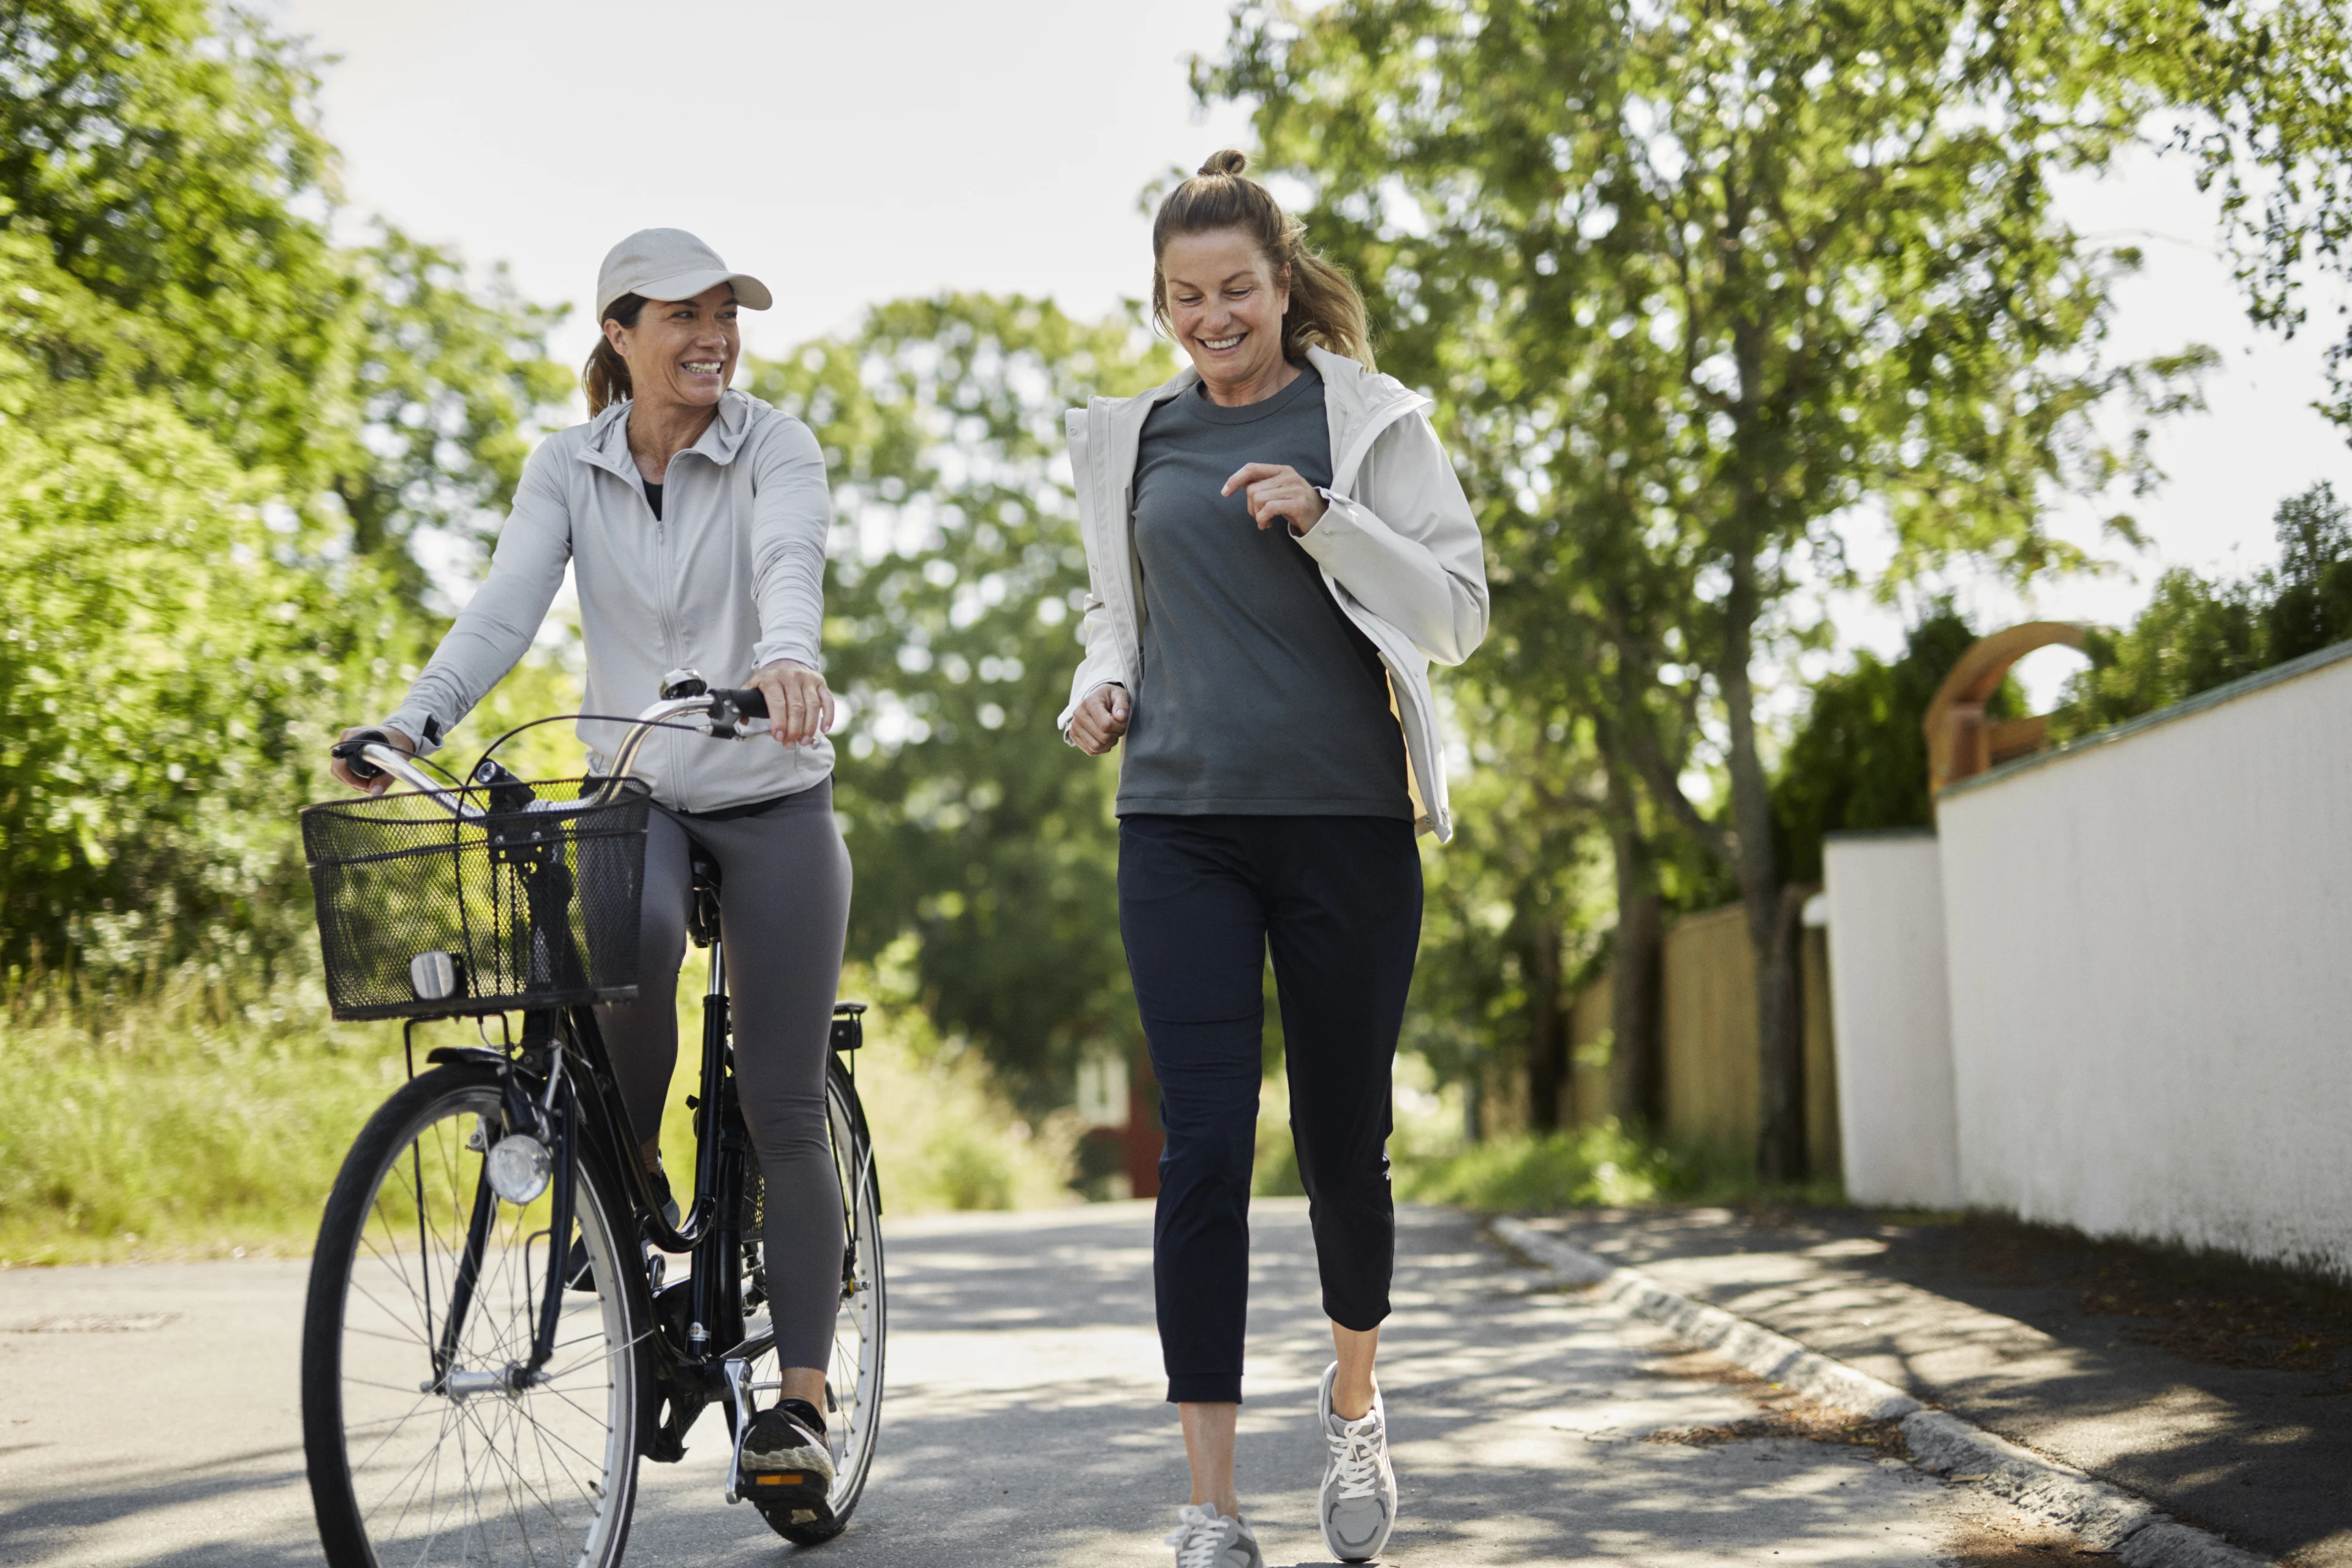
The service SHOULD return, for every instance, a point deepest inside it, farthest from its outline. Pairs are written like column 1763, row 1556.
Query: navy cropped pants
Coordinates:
column 1200, row 901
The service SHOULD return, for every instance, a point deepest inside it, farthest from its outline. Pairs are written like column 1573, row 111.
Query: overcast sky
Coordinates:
column 848, row 154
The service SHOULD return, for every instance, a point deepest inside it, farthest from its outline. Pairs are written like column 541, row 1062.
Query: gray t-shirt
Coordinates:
column 1257, row 696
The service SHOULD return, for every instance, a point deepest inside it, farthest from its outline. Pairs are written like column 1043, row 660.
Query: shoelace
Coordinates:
column 1356, row 1450
column 1198, row 1542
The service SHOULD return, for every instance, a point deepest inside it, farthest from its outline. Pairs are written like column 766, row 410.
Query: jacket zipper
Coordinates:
column 661, row 596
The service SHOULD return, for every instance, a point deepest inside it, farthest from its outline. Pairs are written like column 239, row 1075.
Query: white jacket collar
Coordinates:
column 1360, row 404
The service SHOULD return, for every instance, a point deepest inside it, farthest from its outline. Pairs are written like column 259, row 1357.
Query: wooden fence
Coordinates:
column 1707, row 1028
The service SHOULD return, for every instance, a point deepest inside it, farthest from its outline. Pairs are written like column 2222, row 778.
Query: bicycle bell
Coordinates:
column 436, row 976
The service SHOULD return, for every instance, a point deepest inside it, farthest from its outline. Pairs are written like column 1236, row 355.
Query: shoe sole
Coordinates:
column 789, row 1477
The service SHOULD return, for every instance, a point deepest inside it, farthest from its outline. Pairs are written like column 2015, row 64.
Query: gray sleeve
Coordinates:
column 496, row 627
column 792, row 514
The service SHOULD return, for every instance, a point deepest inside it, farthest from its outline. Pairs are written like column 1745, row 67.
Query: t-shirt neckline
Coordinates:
column 1198, row 403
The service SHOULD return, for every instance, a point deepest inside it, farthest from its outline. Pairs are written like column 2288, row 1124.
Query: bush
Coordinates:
column 1578, row 1166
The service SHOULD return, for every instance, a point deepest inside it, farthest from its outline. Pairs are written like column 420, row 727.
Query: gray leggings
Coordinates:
column 784, row 904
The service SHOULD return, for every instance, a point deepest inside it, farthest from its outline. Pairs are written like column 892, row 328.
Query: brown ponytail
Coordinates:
column 1324, row 308
column 606, row 377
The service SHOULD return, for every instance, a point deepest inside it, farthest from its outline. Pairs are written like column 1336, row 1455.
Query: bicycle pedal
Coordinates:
column 794, row 1511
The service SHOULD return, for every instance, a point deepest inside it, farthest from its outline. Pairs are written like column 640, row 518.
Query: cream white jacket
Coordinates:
column 729, row 578
column 1399, row 549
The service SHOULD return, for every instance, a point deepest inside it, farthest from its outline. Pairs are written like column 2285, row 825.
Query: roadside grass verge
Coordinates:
column 1602, row 1165
column 205, row 1118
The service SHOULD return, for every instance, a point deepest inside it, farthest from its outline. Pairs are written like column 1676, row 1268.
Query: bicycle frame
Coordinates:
column 697, row 1326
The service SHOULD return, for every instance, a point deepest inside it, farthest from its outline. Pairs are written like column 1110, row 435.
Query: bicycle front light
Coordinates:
column 519, row 1168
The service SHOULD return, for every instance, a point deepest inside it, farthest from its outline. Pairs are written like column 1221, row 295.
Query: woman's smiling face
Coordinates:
column 681, row 351
column 1225, row 302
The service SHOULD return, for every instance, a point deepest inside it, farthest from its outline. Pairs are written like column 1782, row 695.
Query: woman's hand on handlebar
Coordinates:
column 342, row 770
column 800, row 705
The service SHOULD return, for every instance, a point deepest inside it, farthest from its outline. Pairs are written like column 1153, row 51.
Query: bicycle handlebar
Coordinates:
column 733, row 712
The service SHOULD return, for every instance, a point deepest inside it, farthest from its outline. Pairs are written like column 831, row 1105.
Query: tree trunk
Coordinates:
column 1771, row 927
column 1547, row 1027
column 1780, row 1154
column 1637, row 1077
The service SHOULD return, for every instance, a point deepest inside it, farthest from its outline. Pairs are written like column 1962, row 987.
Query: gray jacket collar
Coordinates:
column 605, row 442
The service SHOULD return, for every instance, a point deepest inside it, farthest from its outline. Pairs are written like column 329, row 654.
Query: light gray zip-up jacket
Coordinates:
column 1398, row 547
column 730, row 577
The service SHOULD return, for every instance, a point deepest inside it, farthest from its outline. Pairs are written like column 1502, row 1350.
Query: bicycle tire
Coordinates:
column 550, row 1472
column 861, row 1327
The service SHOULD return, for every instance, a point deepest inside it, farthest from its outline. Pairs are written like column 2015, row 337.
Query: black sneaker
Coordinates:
column 577, row 1275
column 786, row 1462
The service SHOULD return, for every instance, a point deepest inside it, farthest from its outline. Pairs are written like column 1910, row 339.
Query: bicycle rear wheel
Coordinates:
column 407, row 1467
column 854, row 1377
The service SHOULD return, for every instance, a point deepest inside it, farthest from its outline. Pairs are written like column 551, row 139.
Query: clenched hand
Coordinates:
column 1100, row 720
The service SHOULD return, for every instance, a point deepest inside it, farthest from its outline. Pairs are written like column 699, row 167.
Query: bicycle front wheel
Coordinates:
column 421, row 1447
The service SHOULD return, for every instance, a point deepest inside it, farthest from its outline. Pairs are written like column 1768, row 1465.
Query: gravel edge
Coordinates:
column 2108, row 1518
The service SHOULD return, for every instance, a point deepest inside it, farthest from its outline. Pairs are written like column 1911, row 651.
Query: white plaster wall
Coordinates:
column 1893, row 1019
column 2150, row 952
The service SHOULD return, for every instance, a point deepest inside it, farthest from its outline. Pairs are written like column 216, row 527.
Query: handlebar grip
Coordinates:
column 749, row 702
column 354, row 754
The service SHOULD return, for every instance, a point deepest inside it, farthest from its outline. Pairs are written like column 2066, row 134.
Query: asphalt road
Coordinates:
column 147, row 1416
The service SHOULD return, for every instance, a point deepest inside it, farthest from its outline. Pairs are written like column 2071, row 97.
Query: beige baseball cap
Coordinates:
column 671, row 264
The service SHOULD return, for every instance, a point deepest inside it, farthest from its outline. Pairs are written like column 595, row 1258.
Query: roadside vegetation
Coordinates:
column 205, row 1120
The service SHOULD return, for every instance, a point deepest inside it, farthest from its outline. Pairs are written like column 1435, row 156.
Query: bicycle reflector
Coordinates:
column 436, row 976
column 519, row 1168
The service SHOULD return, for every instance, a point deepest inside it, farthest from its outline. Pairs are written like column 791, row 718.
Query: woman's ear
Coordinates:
column 1282, row 288
column 618, row 336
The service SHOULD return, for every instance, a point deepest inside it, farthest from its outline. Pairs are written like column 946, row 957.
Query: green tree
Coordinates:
column 451, row 384
column 1706, row 279
column 2263, row 98
column 1859, row 757
column 952, row 608
column 2196, row 635
column 168, row 150
column 159, row 655
column 223, row 434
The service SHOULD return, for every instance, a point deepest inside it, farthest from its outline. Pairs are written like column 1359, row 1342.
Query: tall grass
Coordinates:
column 201, row 1118
column 205, row 1118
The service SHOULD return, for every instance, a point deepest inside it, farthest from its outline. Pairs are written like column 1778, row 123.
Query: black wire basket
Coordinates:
column 530, row 903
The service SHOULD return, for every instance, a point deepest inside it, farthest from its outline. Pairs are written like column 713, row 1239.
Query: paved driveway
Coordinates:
column 1022, row 1425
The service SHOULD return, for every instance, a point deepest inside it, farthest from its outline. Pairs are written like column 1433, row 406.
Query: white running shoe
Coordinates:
column 1359, row 1501
column 1203, row 1538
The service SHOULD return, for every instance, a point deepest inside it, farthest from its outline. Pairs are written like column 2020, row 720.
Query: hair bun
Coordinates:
column 1228, row 161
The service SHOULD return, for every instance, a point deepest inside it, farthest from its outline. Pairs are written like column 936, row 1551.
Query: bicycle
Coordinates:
column 459, row 1403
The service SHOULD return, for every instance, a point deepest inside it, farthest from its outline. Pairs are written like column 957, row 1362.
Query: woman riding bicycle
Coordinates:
column 695, row 519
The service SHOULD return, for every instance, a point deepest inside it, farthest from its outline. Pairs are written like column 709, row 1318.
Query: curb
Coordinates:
column 2106, row 1517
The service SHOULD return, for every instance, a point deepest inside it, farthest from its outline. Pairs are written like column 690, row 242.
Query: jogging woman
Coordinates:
column 1279, row 548
column 695, row 519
